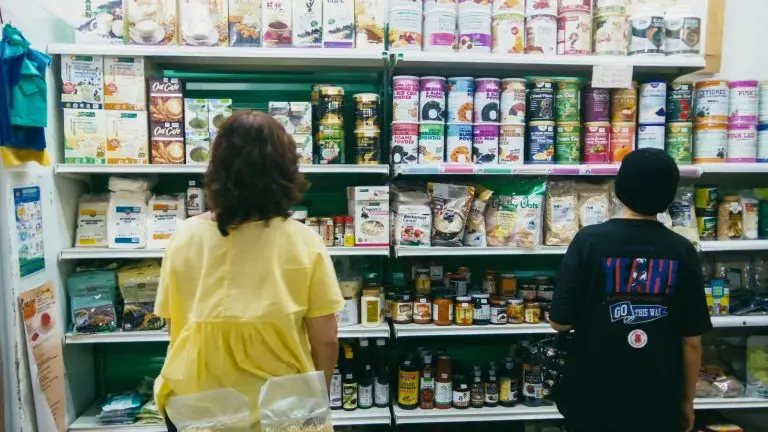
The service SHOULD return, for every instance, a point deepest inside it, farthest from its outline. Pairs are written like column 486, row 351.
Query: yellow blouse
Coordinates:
column 237, row 305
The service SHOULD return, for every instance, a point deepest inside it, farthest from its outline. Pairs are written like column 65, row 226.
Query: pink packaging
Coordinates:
column 405, row 143
column 574, row 33
column 405, row 99
column 742, row 143
column 487, row 96
column 439, row 30
column 431, row 98
column 743, row 102
column 475, row 31
column 574, row 6
column 597, row 139
column 485, row 143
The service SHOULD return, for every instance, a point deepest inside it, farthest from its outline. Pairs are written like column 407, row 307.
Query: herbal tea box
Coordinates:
column 124, row 84
column 296, row 117
column 277, row 20
column 338, row 23
column 127, row 140
column 308, row 24
column 195, row 116
column 167, row 143
column 97, row 21
column 204, row 22
column 369, row 206
column 85, row 136
column 370, row 23
column 245, row 23
column 198, row 147
column 82, row 79
column 218, row 111
column 151, row 22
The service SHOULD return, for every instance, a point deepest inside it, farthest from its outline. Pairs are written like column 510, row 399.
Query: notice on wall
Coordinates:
column 44, row 351
column 29, row 228
column 612, row 76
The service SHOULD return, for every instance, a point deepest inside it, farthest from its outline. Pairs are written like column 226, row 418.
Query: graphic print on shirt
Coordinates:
column 639, row 279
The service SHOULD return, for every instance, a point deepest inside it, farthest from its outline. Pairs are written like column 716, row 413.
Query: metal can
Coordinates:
column 679, row 142
column 540, row 100
column 706, row 219
column 683, row 31
column 513, row 101
column 541, row 142
column 742, row 143
column 330, row 144
column 646, row 29
column 511, row 144
column 474, row 30
column 622, row 141
column 650, row 136
column 743, row 102
column 568, row 143
column 431, row 143
column 541, row 34
column 705, row 197
column 431, row 98
column 331, row 105
column 567, row 100
column 458, row 143
column 711, row 98
column 485, row 143
column 440, row 30
column 367, row 146
column 652, row 103
column 461, row 94
column 597, row 104
column 515, row 311
column 508, row 33
column 597, row 140
column 366, row 110
column 487, row 99
column 680, row 102
column 405, row 143
column 564, row 6
column 326, row 230
column 574, row 33
column 624, row 105
column 405, row 98
column 610, row 32
column 710, row 142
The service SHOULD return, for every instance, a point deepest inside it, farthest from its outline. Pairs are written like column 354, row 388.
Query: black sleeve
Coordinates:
column 694, row 313
column 570, row 283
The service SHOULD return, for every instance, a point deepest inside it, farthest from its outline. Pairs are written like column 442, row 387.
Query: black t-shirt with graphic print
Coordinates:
column 632, row 289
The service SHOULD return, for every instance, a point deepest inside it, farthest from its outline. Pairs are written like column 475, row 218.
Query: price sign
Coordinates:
column 612, row 76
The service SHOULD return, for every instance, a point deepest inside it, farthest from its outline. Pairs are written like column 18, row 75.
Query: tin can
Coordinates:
column 710, row 142
column 652, row 103
column 541, row 100
column 513, row 101
column 679, row 142
column 541, row 142
column 597, row 104
column 405, row 26
column 429, row 5
column 567, row 100
column 568, row 143
column 440, row 30
column 405, row 98
column 762, row 142
column 541, row 7
column 487, row 98
column 508, row 33
column 574, row 33
column 330, row 144
column 459, row 143
column 680, row 102
column 331, row 104
column 475, row 31
column 474, row 6
column 511, row 144
column 706, row 220
column 431, row 99
column 565, row 6
column 431, row 142
column 597, row 141
column 650, row 136
column 646, row 30
column 624, row 105
column 367, row 145
column 743, row 102
column 541, row 34
column 505, row 6
column 622, row 141
column 705, row 197
column 742, row 143
column 461, row 94
column 485, row 143
column 610, row 32
column 366, row 110
column 314, row 101
column 683, row 34
column 762, row 116
column 405, row 143
column 711, row 101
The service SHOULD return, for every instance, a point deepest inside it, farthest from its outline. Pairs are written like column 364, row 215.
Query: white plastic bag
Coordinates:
column 164, row 215
column 127, row 220
column 221, row 410
column 296, row 403
column 92, row 221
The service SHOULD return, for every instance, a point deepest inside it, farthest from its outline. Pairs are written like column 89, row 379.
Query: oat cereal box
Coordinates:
column 369, row 206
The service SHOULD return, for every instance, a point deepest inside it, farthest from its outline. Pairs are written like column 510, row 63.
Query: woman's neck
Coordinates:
column 626, row 213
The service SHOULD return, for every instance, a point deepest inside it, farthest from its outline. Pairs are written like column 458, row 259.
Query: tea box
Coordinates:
column 308, row 24
column 277, row 21
column 218, row 111
column 296, row 117
column 204, row 22
column 195, row 116
column 96, row 21
column 151, row 22
column 82, row 79
column 127, row 140
column 369, row 206
column 245, row 23
column 125, row 84
column 338, row 23
column 198, row 147
column 85, row 136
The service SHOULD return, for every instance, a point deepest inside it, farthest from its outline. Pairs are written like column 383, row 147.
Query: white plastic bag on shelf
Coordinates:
column 91, row 228
column 295, row 403
column 164, row 215
column 123, row 184
column 221, row 410
column 127, row 220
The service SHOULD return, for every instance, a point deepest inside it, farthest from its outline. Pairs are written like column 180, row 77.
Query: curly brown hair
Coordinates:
column 253, row 173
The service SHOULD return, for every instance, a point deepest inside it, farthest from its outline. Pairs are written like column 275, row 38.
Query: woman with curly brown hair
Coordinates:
column 250, row 294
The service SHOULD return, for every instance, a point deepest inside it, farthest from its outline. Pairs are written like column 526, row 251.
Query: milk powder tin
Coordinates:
column 650, row 136
column 541, row 142
column 541, row 99
column 407, row 4
column 367, row 146
column 710, row 142
column 568, row 143
column 461, row 93
column 511, row 144
column 474, row 31
column 652, row 103
column 762, row 143
column 540, row 7
column 439, row 4
column 706, row 220
column 509, row 6
column 366, row 110
column 622, row 140
column 683, row 32
column 574, row 33
column 474, row 5
column 597, row 103
column 508, row 33
column 541, row 34
column 405, row 29
column 431, row 98
column 610, row 33
column 487, row 100
column 485, row 143
column 513, row 101
column 330, row 144
column 439, row 30
column 680, row 102
column 405, row 98
column 679, row 142
column 742, row 143
column 646, row 30
column 567, row 100
column 565, row 6
column 458, row 142
column 743, row 102
column 431, row 142
column 711, row 101
column 405, row 142
column 597, row 140
column 763, row 106
column 624, row 104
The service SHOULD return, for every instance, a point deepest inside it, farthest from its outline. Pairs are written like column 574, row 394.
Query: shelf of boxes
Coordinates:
column 200, row 169
column 417, row 251
column 524, row 170
column 79, row 253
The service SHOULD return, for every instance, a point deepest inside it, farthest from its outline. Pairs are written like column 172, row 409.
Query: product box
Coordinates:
column 308, row 24
column 198, row 147
column 370, row 23
column 303, row 148
column 277, row 21
column 125, row 84
column 166, row 100
column 127, row 138
column 204, row 22
column 218, row 111
column 296, row 117
column 167, row 142
column 151, row 22
column 369, row 206
column 338, row 23
column 718, row 297
column 85, row 136
column 245, row 23
column 196, row 116
column 96, row 21
column 82, row 81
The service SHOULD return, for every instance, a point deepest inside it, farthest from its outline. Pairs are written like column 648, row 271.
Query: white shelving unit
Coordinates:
column 105, row 253
column 525, row 170
column 734, row 245
column 200, row 169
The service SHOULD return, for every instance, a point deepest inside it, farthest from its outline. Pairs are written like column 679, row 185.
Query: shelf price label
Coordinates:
column 612, row 76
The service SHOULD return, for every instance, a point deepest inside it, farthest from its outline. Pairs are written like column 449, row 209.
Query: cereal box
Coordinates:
column 124, row 84
column 85, row 136
column 245, row 23
column 127, row 140
column 370, row 23
column 369, row 206
column 82, row 79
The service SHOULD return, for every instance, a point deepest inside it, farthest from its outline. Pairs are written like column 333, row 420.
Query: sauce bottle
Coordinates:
column 381, row 384
column 195, row 199
column 492, row 387
column 533, row 379
column 334, row 394
column 508, row 389
column 365, row 383
column 477, row 389
column 443, row 384
column 349, row 381
column 427, row 384
column 408, row 383
column 461, row 392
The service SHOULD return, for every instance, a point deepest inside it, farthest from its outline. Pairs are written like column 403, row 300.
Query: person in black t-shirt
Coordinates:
column 633, row 292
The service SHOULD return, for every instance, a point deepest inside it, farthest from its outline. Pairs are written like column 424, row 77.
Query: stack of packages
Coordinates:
column 120, row 409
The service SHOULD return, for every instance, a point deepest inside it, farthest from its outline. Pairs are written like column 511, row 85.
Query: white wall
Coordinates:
column 745, row 40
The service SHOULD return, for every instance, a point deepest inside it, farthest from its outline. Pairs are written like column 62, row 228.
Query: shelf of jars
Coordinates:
column 79, row 253
column 523, row 170
column 200, row 169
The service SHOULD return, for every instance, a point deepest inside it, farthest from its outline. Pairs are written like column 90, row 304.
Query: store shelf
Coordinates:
column 414, row 251
column 358, row 331
column 200, row 169
column 359, row 251
column 80, row 253
column 370, row 416
column 733, row 245
column 419, row 330
column 733, row 168
column 254, row 58
column 736, row 321
column 524, row 170
column 734, row 403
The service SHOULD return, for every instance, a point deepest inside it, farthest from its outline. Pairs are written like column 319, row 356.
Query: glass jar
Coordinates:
column 490, row 283
column 422, row 309
column 545, row 308
column 466, row 272
column 528, row 291
column 442, row 310
column 423, row 281
column 498, row 311
column 389, row 304
column 508, row 285
column 458, row 284
column 545, row 292
column 465, row 310
column 515, row 311
column 482, row 312
column 532, row 313
column 402, row 309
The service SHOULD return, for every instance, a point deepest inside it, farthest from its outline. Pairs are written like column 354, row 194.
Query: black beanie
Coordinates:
column 647, row 181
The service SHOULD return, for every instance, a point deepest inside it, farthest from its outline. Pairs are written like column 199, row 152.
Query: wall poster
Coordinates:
column 29, row 226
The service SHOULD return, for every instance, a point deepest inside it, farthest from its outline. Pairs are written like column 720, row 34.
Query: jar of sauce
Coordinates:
column 458, row 284
column 423, row 281
column 532, row 313
column 482, row 311
column 545, row 308
column 546, row 291
column 466, row 272
column 529, row 291
column 490, row 283
column 443, row 382
column 498, row 311
column 515, row 311
column 402, row 309
column 508, row 285
column 465, row 310
column 422, row 309
column 442, row 310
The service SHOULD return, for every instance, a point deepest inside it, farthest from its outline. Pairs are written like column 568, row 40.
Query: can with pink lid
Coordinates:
column 487, row 100
column 743, row 97
column 742, row 143
column 431, row 99
column 405, row 98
